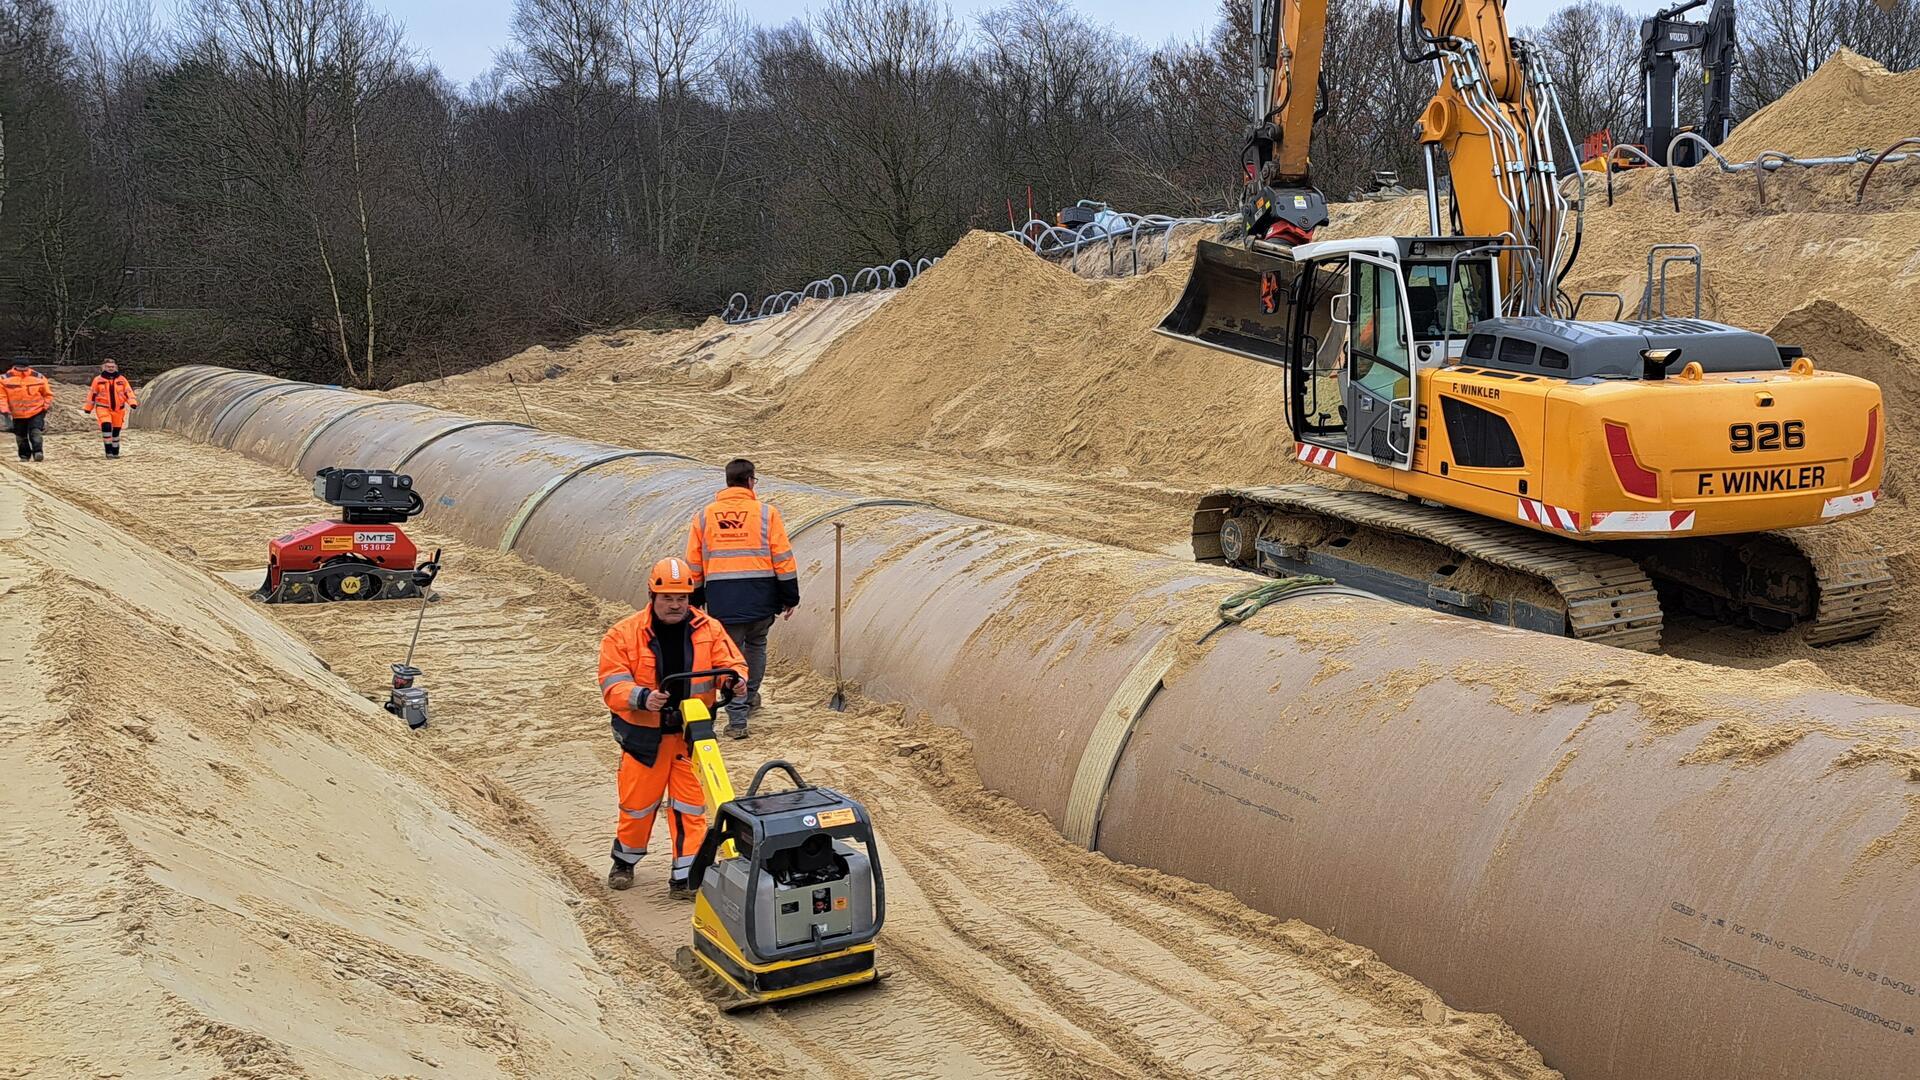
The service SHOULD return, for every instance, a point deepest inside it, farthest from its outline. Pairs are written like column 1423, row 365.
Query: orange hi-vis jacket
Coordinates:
column 743, row 566
column 24, row 393
column 630, row 663
column 110, row 398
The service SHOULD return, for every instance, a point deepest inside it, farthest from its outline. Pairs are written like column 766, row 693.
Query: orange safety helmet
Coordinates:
column 671, row 576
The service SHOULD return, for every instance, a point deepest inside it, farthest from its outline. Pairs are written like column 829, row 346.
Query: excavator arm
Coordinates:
column 1492, row 128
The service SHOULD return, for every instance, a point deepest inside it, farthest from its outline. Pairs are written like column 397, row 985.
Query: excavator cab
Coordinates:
column 1353, row 322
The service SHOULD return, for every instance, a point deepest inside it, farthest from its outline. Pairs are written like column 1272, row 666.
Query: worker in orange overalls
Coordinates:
column 743, row 565
column 25, row 396
column 110, row 398
column 636, row 657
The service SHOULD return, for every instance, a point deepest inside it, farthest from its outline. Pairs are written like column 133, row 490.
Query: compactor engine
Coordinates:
column 361, row 555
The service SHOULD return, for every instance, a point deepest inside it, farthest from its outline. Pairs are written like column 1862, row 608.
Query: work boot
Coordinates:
column 679, row 890
column 753, row 699
column 620, row 878
column 38, row 456
column 736, row 729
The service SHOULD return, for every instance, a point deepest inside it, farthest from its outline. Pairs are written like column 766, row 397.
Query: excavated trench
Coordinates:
column 1650, row 867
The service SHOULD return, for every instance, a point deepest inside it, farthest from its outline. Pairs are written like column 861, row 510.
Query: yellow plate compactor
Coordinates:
column 788, row 889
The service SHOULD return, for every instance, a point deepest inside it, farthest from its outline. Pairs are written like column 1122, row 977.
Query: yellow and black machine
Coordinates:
column 1530, row 467
column 789, row 893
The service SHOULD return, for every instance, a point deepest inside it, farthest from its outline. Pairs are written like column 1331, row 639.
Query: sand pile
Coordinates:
column 994, row 354
column 1850, row 103
column 217, row 859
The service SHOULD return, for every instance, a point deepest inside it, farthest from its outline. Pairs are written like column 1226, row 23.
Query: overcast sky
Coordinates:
column 461, row 36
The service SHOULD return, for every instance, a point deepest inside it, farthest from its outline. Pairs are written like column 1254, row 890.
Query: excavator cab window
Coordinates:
column 1320, row 353
column 1445, row 309
column 1380, row 347
column 1379, row 384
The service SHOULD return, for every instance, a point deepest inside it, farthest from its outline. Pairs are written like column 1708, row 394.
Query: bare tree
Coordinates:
column 1592, row 49
column 1060, row 96
column 870, row 109
column 677, row 55
column 1784, row 41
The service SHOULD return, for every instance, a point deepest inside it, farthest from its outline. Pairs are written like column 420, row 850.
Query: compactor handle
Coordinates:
column 726, row 689
column 761, row 774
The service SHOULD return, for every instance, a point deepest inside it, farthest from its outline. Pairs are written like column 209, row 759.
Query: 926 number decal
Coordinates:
column 1746, row 438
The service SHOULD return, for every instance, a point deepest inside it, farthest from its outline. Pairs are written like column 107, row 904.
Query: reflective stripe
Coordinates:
column 741, row 553
column 766, row 525
column 701, row 686
column 682, row 862
column 639, row 815
column 790, row 575
column 687, row 808
column 616, row 679
column 634, row 699
column 626, row 854
column 729, row 575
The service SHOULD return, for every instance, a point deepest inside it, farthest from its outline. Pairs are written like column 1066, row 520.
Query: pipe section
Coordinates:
column 1651, row 869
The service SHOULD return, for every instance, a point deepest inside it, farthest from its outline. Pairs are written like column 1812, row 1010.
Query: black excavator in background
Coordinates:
column 1664, row 35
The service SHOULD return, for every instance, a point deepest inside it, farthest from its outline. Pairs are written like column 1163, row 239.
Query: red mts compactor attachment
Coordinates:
column 363, row 555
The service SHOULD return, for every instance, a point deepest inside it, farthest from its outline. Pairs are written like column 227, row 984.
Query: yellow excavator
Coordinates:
column 1527, row 467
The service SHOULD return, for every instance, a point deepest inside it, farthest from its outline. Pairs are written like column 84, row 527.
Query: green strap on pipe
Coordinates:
column 1245, row 604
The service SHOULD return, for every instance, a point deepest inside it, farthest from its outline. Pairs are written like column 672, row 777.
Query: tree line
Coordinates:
column 290, row 185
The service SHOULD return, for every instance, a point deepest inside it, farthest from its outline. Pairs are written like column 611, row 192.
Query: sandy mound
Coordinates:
column 1850, row 103
column 217, row 859
column 996, row 354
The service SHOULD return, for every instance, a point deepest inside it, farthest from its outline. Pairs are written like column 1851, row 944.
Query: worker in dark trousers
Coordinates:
column 25, row 397
column 745, row 573
column 109, row 399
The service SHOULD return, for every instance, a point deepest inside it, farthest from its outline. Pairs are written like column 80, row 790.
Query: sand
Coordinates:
column 220, row 860
column 1010, row 952
column 1851, row 103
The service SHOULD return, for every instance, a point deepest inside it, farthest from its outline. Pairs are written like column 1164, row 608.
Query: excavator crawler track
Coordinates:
column 1810, row 580
column 1854, row 591
column 1601, row 597
column 1819, row 580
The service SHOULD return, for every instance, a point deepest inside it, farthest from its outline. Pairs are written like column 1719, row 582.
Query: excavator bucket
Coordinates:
column 1237, row 299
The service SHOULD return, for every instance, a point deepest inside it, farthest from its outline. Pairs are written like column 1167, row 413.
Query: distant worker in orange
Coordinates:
column 744, row 569
column 637, row 658
column 109, row 399
column 25, row 396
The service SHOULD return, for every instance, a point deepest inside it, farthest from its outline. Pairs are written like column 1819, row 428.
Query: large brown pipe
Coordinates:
column 1717, row 880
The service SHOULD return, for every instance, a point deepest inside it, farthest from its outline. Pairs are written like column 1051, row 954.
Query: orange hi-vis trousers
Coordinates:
column 669, row 782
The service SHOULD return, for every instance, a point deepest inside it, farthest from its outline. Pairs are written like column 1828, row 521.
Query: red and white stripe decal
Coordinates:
column 1642, row 521
column 1849, row 504
column 1316, row 455
column 1538, row 513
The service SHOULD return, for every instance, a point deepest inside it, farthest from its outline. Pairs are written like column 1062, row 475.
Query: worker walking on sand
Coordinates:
column 109, row 399
column 637, row 656
column 25, row 396
column 745, row 575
